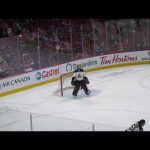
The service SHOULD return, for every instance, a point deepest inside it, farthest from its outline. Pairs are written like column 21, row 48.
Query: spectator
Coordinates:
column 2, row 68
column 1, row 31
column 9, row 31
column 3, row 63
column 3, row 74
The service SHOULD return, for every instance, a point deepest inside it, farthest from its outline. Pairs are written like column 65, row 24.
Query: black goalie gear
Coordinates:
column 86, row 80
column 83, row 86
column 73, row 82
column 79, row 80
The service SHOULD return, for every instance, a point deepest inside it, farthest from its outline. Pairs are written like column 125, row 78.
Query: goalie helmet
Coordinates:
column 79, row 66
column 142, row 121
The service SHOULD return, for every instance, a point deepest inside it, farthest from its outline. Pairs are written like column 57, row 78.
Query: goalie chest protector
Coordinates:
column 79, row 74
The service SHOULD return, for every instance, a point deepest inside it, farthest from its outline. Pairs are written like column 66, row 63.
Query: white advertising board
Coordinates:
column 29, row 78
column 87, row 63
column 107, row 60
column 46, row 74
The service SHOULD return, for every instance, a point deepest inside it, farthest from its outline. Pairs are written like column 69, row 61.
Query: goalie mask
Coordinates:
column 78, row 66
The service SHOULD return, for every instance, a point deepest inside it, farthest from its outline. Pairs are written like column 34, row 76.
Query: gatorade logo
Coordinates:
column 38, row 76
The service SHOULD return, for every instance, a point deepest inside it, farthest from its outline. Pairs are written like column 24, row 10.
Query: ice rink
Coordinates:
column 119, row 97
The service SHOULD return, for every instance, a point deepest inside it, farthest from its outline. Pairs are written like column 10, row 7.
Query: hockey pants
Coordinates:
column 79, row 84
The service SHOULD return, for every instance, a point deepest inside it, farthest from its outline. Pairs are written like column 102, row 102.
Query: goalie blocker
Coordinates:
column 79, row 79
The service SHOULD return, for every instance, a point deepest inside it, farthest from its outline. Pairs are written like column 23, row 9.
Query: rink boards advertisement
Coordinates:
column 107, row 60
column 43, row 76
column 29, row 79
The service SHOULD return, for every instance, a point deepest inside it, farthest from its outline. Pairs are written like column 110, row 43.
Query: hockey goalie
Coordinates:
column 79, row 80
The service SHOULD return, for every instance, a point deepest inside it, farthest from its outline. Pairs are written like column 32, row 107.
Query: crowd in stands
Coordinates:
column 63, row 40
column 12, row 27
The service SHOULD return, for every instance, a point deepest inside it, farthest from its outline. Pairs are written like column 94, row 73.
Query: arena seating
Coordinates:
column 63, row 40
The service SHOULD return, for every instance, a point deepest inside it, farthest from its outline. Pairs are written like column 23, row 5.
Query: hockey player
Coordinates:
column 138, row 126
column 79, row 79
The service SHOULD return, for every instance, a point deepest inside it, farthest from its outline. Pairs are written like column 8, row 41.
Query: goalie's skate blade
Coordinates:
column 88, row 93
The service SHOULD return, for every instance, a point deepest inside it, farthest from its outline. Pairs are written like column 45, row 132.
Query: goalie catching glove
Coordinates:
column 86, row 80
column 73, row 82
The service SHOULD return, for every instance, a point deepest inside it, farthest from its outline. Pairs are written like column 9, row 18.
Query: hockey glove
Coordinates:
column 73, row 82
column 86, row 80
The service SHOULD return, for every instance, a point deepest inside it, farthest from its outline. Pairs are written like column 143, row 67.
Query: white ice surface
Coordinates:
column 119, row 97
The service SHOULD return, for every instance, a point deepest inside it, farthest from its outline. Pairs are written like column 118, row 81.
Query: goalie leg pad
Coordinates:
column 85, row 88
column 76, row 89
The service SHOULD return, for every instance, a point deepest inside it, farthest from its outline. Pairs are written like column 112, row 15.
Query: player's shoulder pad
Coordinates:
column 81, row 70
column 76, row 71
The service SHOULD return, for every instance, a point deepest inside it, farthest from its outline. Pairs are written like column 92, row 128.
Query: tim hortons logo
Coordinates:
column 116, row 59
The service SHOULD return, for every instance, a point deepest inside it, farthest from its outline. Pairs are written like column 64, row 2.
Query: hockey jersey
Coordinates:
column 79, row 74
column 135, row 127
